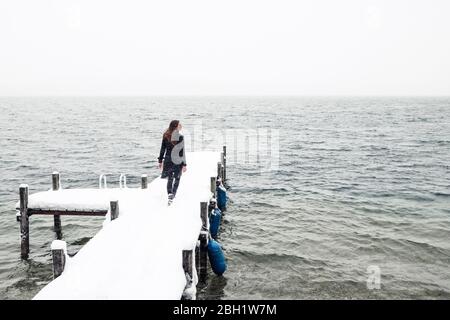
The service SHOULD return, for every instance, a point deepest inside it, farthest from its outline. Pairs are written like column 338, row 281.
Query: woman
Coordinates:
column 172, row 151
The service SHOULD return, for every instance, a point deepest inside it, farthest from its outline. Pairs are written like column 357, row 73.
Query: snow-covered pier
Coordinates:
column 145, row 249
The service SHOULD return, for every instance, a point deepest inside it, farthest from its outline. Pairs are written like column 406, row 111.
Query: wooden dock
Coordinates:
column 145, row 250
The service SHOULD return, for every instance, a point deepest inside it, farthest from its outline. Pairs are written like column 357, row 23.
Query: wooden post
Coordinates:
column 204, row 215
column 187, row 264
column 58, row 257
column 219, row 170
column 213, row 186
column 188, row 271
column 114, row 205
column 24, row 223
column 224, row 162
column 144, row 181
column 55, row 180
column 56, row 218
column 203, row 250
column 221, row 167
column 59, row 261
column 197, row 258
column 203, row 255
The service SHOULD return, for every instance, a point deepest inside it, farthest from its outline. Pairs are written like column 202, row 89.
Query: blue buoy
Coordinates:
column 216, row 257
column 214, row 222
column 221, row 197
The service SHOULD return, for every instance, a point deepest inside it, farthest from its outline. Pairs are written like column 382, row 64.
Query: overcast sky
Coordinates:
column 227, row 47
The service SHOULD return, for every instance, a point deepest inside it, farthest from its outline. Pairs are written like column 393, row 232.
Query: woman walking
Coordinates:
column 172, row 152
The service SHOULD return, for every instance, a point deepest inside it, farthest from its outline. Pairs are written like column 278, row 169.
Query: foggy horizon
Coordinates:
column 212, row 48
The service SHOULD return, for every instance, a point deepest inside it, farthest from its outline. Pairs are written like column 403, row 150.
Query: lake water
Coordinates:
column 361, row 185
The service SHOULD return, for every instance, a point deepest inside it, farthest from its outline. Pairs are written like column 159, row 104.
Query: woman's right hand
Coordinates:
column 160, row 165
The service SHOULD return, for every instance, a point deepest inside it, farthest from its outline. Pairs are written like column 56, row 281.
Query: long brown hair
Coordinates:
column 172, row 126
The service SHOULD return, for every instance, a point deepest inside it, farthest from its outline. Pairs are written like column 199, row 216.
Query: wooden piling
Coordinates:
column 222, row 167
column 59, row 262
column 187, row 264
column 24, row 222
column 224, row 162
column 197, row 258
column 56, row 218
column 114, row 205
column 144, row 181
column 219, row 170
column 188, row 271
column 55, row 181
column 203, row 237
column 213, row 186
column 204, row 215
column 203, row 255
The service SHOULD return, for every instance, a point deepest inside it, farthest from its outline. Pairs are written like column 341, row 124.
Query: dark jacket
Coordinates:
column 166, row 151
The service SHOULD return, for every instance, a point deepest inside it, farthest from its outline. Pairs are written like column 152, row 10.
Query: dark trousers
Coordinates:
column 173, row 178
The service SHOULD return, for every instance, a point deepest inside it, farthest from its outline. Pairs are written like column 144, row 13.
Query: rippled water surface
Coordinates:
column 361, row 182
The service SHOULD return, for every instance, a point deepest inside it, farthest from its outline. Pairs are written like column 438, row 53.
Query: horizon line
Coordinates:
column 228, row 95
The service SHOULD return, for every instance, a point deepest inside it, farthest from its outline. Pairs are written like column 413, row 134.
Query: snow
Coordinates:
column 72, row 199
column 59, row 245
column 139, row 254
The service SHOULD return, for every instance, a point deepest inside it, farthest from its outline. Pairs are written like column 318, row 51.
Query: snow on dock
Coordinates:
column 139, row 254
